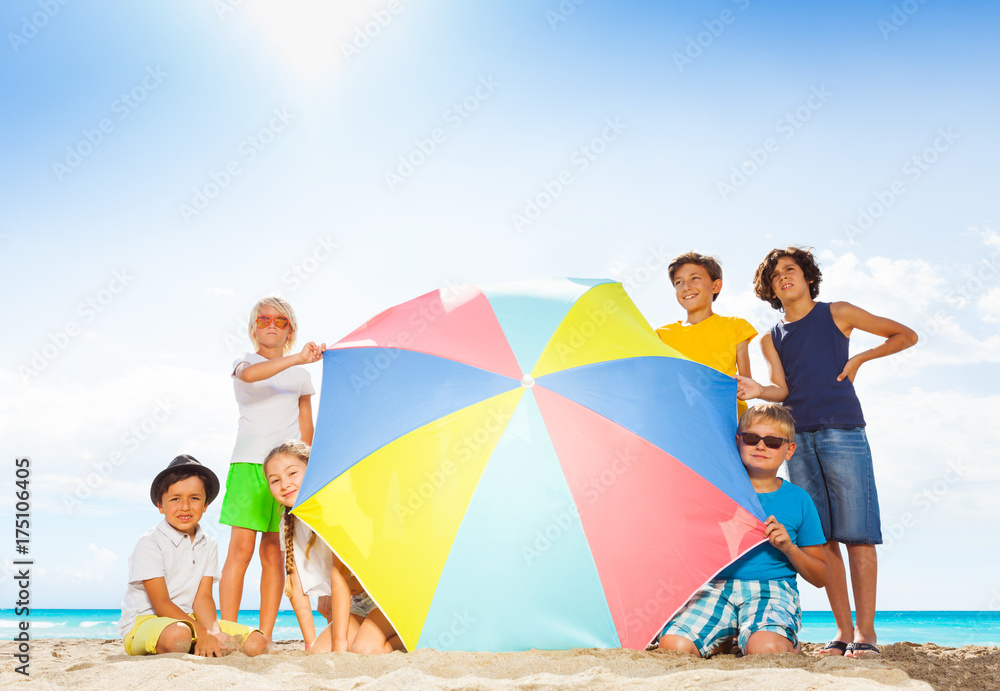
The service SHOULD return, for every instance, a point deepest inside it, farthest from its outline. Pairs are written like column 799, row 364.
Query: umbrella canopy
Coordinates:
column 526, row 466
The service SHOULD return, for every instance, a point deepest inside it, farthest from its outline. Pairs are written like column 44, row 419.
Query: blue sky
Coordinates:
column 654, row 128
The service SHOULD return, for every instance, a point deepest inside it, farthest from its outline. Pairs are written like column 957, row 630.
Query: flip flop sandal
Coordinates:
column 867, row 649
column 839, row 646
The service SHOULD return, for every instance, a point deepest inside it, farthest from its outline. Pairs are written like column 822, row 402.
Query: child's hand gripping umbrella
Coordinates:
column 526, row 466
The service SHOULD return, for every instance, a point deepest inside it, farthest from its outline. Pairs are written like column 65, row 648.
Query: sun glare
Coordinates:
column 316, row 38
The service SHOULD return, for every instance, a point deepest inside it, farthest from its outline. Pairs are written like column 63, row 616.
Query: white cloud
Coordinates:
column 989, row 237
column 140, row 401
column 933, row 457
column 913, row 282
column 94, row 570
column 989, row 306
column 926, row 295
column 99, row 444
column 218, row 290
column 920, row 438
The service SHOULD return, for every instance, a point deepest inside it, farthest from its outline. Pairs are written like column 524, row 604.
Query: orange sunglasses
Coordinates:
column 264, row 320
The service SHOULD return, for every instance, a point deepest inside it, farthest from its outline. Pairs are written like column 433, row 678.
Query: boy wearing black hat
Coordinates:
column 169, row 607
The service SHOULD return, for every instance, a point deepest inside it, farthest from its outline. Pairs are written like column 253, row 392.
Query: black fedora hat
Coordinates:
column 186, row 462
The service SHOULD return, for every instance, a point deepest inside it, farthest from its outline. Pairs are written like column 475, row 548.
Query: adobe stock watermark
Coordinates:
column 786, row 127
column 544, row 538
column 579, row 161
column 913, row 169
column 461, row 623
column 561, row 521
column 223, row 8
column 130, row 442
column 923, row 501
column 986, row 621
column 700, row 42
column 580, row 335
column 464, row 451
column 122, row 107
column 665, row 596
column 981, row 275
column 635, row 278
column 30, row 26
column 86, row 312
column 364, row 34
column 563, row 11
column 384, row 356
column 418, row 322
column 301, row 271
column 292, row 278
column 453, row 117
column 901, row 14
column 247, row 150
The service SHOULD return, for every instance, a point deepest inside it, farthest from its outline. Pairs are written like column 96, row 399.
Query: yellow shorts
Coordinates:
column 141, row 640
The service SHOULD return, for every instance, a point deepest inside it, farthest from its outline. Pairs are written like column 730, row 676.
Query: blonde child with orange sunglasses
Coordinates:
column 274, row 396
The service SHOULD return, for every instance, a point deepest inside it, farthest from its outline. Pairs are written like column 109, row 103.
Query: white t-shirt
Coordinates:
column 314, row 572
column 165, row 552
column 269, row 409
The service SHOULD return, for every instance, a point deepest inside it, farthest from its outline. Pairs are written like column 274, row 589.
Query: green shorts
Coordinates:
column 248, row 502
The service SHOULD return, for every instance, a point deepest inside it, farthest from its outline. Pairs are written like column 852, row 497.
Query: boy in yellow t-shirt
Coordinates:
column 721, row 343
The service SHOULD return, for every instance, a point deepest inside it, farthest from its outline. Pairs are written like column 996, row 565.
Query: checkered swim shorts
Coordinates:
column 727, row 608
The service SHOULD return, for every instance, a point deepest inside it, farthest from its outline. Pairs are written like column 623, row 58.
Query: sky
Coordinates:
column 166, row 164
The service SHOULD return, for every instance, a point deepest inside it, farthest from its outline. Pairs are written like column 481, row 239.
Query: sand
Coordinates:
column 102, row 664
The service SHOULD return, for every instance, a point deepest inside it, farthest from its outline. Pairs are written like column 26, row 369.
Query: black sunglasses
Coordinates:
column 751, row 439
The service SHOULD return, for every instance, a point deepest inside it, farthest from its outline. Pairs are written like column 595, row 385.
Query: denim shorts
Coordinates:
column 362, row 605
column 738, row 608
column 835, row 467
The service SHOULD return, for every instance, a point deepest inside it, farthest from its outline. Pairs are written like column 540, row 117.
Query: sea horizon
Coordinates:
column 948, row 628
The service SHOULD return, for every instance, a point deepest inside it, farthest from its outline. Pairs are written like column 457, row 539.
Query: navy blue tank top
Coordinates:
column 813, row 352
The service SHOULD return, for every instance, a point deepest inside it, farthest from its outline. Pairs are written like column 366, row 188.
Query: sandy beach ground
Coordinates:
column 97, row 664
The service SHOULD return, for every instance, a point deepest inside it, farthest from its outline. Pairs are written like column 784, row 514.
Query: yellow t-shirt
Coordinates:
column 711, row 342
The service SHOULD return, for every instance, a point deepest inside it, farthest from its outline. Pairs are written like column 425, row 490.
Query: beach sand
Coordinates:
column 97, row 664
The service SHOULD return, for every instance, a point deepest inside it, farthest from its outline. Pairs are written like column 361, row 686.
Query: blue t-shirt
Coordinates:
column 794, row 509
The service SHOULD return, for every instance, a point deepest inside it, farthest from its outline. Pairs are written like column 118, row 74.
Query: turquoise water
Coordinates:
column 951, row 629
column 103, row 623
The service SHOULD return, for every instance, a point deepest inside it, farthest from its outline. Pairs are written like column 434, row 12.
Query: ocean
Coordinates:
column 949, row 629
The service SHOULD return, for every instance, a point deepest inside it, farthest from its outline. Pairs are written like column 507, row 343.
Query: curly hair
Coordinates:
column 765, row 273
column 710, row 264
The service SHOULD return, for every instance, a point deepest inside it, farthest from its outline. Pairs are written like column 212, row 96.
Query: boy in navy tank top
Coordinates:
column 813, row 373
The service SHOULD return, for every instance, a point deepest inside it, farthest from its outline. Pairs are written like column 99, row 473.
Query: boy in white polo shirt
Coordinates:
column 169, row 607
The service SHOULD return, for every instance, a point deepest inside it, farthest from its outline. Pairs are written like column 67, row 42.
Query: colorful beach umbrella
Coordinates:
column 526, row 466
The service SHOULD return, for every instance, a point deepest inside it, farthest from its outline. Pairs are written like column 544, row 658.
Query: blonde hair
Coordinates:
column 299, row 450
column 769, row 414
column 281, row 305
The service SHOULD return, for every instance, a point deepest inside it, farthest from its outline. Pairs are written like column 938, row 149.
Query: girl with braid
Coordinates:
column 299, row 543
column 356, row 624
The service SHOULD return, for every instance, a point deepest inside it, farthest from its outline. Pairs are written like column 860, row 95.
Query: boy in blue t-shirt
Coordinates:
column 755, row 599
